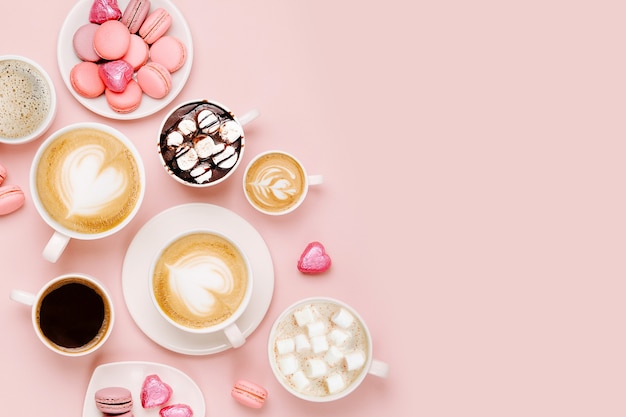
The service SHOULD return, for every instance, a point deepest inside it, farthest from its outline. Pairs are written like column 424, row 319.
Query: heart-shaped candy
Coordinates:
column 103, row 10
column 116, row 74
column 154, row 392
column 176, row 410
column 314, row 259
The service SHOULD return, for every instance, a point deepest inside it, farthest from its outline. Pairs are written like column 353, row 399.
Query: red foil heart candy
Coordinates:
column 154, row 392
column 314, row 259
column 116, row 74
column 103, row 10
column 176, row 410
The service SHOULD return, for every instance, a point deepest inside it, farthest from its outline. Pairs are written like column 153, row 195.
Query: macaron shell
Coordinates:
column 85, row 79
column 138, row 52
column 135, row 14
column 169, row 52
column 82, row 41
column 11, row 198
column 154, row 79
column 3, row 173
column 249, row 394
column 156, row 24
column 111, row 40
column 113, row 400
column 127, row 101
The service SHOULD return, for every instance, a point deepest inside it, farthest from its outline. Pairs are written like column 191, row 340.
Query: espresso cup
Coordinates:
column 28, row 103
column 72, row 314
column 88, row 182
column 276, row 182
column 201, row 282
column 201, row 142
column 320, row 350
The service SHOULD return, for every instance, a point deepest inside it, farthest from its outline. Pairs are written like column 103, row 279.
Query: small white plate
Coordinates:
column 131, row 375
column 162, row 228
column 78, row 16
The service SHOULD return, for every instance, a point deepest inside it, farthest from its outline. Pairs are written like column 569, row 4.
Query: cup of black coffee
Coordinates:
column 72, row 314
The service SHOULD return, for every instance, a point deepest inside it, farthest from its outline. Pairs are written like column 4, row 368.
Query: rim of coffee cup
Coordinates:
column 33, row 186
column 107, row 299
column 306, row 182
column 167, row 169
column 219, row 326
column 280, row 377
column 47, row 122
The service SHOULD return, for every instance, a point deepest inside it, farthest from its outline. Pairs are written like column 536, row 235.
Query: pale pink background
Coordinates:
column 473, row 205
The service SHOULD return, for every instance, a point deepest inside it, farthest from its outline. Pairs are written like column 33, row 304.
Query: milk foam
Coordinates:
column 88, row 185
column 274, row 185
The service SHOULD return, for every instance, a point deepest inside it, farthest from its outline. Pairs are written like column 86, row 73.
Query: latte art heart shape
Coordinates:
column 314, row 259
column 87, row 183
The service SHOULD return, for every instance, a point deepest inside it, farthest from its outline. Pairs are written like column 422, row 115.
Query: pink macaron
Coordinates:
column 3, row 173
column 169, row 52
column 126, row 101
column 135, row 14
column 11, row 198
column 85, row 79
column 82, row 41
column 111, row 40
column 156, row 24
column 249, row 394
column 138, row 52
column 154, row 79
column 114, row 400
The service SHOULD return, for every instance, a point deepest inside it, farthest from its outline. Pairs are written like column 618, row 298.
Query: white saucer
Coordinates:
column 131, row 375
column 158, row 231
column 79, row 15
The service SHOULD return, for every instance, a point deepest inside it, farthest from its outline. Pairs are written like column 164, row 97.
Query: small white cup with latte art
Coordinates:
column 28, row 104
column 201, row 282
column 88, row 182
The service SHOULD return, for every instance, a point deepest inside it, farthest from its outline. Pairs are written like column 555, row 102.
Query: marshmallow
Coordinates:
column 175, row 139
column 304, row 316
column 343, row 318
column 315, row 368
column 316, row 328
column 186, row 158
column 288, row 364
column 335, row 383
column 299, row 380
column 230, row 131
column 354, row 360
column 319, row 344
column 187, row 126
column 302, row 343
column 227, row 158
column 285, row 346
column 208, row 121
column 338, row 337
column 205, row 146
column 333, row 356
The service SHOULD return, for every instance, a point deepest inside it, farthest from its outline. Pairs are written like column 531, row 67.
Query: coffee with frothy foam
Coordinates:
column 25, row 99
column 200, row 280
column 88, row 181
column 275, row 182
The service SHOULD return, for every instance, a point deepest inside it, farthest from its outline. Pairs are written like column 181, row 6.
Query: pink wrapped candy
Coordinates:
column 176, row 410
column 314, row 259
column 116, row 74
column 103, row 10
column 154, row 392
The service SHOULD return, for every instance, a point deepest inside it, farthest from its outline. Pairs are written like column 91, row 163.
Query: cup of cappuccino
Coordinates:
column 72, row 314
column 28, row 100
column 320, row 350
column 201, row 283
column 275, row 182
column 88, row 182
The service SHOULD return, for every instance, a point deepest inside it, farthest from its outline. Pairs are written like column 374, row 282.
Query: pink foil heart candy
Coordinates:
column 154, row 392
column 176, row 410
column 314, row 259
column 116, row 74
column 103, row 10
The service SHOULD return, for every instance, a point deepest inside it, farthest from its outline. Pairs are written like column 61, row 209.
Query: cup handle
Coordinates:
column 55, row 247
column 234, row 335
column 379, row 369
column 315, row 179
column 22, row 297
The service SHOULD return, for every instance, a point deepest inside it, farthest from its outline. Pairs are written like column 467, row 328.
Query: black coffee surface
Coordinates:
column 72, row 315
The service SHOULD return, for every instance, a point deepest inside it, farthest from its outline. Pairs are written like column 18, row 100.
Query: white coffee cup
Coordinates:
column 87, row 182
column 201, row 282
column 320, row 350
column 29, row 101
column 82, row 325
column 276, row 182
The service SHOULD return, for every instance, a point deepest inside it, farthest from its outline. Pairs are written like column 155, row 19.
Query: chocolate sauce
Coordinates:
column 72, row 315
